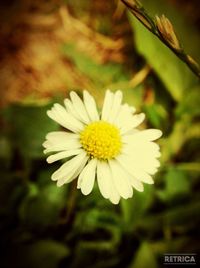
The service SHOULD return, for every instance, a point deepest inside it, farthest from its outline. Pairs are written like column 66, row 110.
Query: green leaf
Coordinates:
column 173, row 143
column 156, row 114
column 193, row 166
column 184, row 28
column 190, row 105
column 174, row 73
column 5, row 152
column 101, row 74
column 43, row 203
column 176, row 244
column 95, row 254
column 17, row 189
column 179, row 216
column 177, row 184
column 94, row 219
column 183, row 131
column 133, row 209
column 144, row 257
column 43, row 253
column 29, row 126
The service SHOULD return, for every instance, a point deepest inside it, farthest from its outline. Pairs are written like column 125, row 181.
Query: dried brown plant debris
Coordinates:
column 31, row 62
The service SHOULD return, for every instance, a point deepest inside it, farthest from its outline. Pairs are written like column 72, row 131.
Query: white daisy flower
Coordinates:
column 106, row 146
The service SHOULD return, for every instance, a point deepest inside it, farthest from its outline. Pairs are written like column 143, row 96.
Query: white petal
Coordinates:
column 73, row 173
column 73, row 145
column 134, row 121
column 134, row 182
column 79, row 107
column 60, row 141
column 90, row 106
column 70, row 109
column 61, row 155
column 137, row 184
column 87, row 177
column 132, row 109
column 79, row 169
column 145, row 160
column 114, row 197
column 108, row 101
column 142, row 150
column 60, row 182
column 131, row 132
column 135, row 141
column 103, row 178
column 105, row 182
column 57, row 135
column 120, row 179
column 144, row 135
column 136, row 171
column 124, row 116
column 115, row 106
column 59, row 114
column 70, row 165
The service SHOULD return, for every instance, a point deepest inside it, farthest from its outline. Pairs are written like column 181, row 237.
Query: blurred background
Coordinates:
column 48, row 48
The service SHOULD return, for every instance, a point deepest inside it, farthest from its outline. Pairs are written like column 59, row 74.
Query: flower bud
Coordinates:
column 166, row 29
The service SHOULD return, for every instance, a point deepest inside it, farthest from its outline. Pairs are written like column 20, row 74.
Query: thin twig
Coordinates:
column 164, row 30
column 140, row 76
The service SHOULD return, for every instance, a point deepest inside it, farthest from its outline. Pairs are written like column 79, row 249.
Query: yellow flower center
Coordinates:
column 101, row 140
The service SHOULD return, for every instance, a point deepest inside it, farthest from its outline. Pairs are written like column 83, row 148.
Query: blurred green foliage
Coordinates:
column 100, row 75
column 50, row 227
